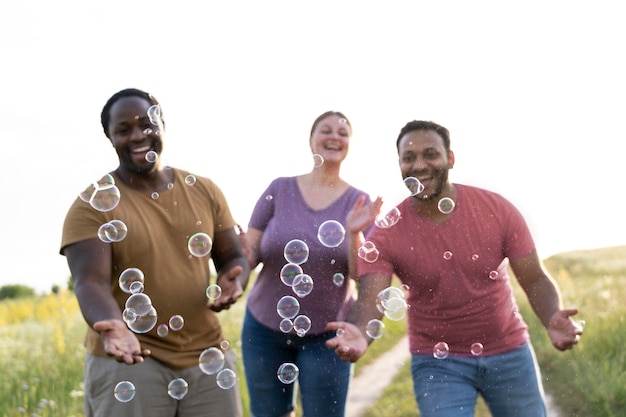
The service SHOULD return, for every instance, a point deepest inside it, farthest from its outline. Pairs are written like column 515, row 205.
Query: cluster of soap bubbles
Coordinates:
column 139, row 314
column 392, row 303
column 211, row 361
column 103, row 195
column 330, row 234
column 112, row 231
column 368, row 252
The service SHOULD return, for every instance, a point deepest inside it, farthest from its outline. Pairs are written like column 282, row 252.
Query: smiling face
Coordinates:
column 423, row 155
column 133, row 135
column 331, row 138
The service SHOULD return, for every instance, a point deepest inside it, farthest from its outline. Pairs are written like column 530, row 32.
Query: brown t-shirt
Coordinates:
column 156, row 242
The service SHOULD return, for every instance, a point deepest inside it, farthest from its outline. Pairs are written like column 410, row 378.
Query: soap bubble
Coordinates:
column 446, row 205
column 112, row 231
column 476, row 349
column 286, row 325
column 136, row 287
column 302, row 285
column 289, row 272
column 88, row 192
column 447, row 255
column 288, row 307
column 414, row 185
column 211, row 360
column 331, row 233
column 154, row 114
column 385, row 221
column 368, row 252
column 176, row 322
column 145, row 322
column 129, row 315
column 318, row 160
column 177, row 388
column 128, row 276
column 163, row 330
column 106, row 198
column 190, row 179
column 375, row 329
column 288, row 373
column 302, row 324
column 200, row 244
column 441, row 350
column 392, row 303
column 213, row 292
column 338, row 279
column 151, row 156
column 296, row 252
column 141, row 303
column 124, row 391
column 226, row 378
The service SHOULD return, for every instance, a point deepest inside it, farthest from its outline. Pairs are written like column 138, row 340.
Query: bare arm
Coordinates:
column 358, row 219
column 354, row 342
column 251, row 242
column 90, row 265
column 233, row 270
column 545, row 299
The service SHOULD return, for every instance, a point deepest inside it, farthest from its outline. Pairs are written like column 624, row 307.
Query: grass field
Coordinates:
column 41, row 351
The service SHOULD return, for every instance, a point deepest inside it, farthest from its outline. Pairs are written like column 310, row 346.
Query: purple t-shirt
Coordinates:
column 283, row 215
column 459, row 288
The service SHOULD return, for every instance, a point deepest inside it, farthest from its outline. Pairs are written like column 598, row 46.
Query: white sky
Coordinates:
column 532, row 92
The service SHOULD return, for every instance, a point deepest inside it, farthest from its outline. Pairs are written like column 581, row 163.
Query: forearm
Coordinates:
column 355, row 240
column 365, row 310
column 544, row 298
column 96, row 302
column 244, row 276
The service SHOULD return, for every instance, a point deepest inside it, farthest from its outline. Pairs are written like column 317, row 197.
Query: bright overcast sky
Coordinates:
column 532, row 92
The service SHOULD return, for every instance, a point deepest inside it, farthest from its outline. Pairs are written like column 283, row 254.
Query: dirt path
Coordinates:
column 373, row 378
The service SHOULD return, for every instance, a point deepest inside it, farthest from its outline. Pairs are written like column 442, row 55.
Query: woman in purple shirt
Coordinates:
column 306, row 268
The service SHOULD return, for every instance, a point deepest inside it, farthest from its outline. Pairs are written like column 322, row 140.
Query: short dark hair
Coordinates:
column 105, row 116
column 325, row 115
column 425, row 125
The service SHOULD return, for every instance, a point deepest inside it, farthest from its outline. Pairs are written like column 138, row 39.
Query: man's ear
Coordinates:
column 451, row 159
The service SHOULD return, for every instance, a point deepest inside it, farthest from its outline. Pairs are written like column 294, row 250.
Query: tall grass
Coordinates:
column 41, row 355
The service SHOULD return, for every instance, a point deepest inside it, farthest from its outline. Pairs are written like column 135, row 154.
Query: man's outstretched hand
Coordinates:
column 563, row 331
column 120, row 342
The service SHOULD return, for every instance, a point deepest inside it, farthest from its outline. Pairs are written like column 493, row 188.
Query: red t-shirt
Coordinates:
column 459, row 290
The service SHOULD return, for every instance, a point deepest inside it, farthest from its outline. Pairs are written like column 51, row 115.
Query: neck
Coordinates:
column 429, row 208
column 154, row 180
column 325, row 175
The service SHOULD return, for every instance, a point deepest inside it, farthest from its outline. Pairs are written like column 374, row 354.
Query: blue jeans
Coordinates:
column 509, row 383
column 323, row 378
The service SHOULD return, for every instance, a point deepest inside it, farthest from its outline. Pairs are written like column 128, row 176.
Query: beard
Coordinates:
column 440, row 180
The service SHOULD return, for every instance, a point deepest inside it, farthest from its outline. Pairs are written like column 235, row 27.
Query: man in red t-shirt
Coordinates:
column 451, row 247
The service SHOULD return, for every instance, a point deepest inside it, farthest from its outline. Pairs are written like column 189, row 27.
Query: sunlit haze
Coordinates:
column 532, row 93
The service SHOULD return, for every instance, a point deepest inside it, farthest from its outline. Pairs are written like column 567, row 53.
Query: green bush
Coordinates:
column 13, row 291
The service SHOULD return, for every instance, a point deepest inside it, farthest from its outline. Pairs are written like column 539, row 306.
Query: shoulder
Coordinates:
column 477, row 197
column 474, row 192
